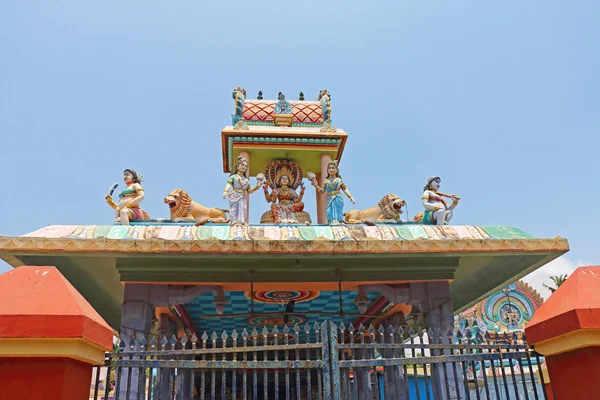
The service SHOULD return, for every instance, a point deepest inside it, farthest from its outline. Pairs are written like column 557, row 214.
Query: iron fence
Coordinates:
column 394, row 364
column 322, row 362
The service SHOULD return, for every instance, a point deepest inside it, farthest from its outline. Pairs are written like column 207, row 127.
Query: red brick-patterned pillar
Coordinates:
column 566, row 330
column 50, row 337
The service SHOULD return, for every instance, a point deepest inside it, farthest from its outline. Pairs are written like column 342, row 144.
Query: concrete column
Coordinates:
column 439, row 316
column 246, row 155
column 322, row 198
column 137, row 313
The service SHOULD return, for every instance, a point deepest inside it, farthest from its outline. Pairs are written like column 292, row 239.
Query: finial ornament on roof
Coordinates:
column 325, row 100
column 239, row 95
column 301, row 97
column 260, row 95
column 328, row 127
column 241, row 125
column 282, row 112
column 282, row 106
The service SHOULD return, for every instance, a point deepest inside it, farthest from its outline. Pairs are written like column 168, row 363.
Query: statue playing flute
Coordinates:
column 437, row 211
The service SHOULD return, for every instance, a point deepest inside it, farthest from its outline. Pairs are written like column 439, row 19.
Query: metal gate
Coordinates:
column 325, row 362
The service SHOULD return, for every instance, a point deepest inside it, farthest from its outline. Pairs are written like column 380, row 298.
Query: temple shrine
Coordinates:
column 207, row 268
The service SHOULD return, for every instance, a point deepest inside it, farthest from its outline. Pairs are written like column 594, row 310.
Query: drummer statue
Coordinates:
column 437, row 211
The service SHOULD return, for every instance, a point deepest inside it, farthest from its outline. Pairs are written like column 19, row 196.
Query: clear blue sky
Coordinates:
column 501, row 99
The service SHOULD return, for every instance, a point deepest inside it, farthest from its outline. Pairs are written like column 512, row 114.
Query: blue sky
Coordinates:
column 501, row 99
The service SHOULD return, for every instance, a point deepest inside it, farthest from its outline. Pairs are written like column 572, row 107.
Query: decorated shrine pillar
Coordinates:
column 566, row 330
column 322, row 197
column 50, row 337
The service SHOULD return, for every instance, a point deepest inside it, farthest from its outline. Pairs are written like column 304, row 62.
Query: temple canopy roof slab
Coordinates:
column 98, row 259
column 304, row 145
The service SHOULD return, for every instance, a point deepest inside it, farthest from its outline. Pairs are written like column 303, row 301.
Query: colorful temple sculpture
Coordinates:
column 504, row 312
column 211, row 270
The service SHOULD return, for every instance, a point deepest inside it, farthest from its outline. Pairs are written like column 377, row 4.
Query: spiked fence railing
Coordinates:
column 323, row 362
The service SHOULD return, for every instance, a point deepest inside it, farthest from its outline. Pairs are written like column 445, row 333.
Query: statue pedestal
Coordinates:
column 303, row 218
column 50, row 337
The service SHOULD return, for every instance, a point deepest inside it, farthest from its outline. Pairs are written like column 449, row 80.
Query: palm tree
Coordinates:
column 558, row 280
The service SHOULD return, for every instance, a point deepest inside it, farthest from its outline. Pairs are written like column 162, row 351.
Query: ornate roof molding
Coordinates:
column 390, row 238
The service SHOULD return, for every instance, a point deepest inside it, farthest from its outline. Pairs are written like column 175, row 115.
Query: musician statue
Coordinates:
column 437, row 211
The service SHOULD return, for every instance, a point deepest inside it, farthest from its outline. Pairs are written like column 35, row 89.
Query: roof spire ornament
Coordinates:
column 282, row 115
column 260, row 95
column 239, row 95
column 301, row 97
column 325, row 100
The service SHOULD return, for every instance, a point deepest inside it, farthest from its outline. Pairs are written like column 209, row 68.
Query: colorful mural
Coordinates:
column 508, row 310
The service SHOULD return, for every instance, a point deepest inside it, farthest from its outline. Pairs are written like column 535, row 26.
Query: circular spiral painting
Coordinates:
column 282, row 296
column 272, row 320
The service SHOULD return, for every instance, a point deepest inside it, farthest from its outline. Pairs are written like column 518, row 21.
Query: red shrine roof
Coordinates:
column 305, row 112
column 575, row 305
column 40, row 302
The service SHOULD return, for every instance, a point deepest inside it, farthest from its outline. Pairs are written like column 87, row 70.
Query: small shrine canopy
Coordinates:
column 281, row 129
column 479, row 260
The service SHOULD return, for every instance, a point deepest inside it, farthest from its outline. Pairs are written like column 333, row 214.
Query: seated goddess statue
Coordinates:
column 286, row 203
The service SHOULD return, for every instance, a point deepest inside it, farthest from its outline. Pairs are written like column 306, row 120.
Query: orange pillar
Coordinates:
column 322, row 198
column 50, row 337
column 566, row 330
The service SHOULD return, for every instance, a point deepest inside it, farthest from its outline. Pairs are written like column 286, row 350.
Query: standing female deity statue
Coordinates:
column 129, row 199
column 333, row 185
column 436, row 209
column 285, row 200
column 238, row 186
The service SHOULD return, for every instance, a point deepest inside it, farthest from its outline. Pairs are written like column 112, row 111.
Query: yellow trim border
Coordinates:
column 75, row 348
column 568, row 342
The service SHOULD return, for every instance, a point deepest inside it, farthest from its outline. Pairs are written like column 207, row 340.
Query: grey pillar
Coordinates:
column 439, row 316
column 137, row 315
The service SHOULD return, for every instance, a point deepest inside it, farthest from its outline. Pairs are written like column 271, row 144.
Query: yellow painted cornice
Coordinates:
column 75, row 348
column 568, row 342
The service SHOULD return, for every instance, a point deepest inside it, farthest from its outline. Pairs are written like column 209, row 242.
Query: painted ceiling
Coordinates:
column 272, row 301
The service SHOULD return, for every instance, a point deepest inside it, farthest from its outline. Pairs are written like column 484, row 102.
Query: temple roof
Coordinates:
column 479, row 260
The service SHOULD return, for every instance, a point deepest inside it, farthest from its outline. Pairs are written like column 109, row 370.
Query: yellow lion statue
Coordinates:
column 184, row 209
column 388, row 209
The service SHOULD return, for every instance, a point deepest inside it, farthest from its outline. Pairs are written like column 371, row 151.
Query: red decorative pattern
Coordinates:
column 309, row 112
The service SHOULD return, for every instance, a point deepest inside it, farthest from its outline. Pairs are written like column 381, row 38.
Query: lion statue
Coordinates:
column 388, row 209
column 184, row 209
